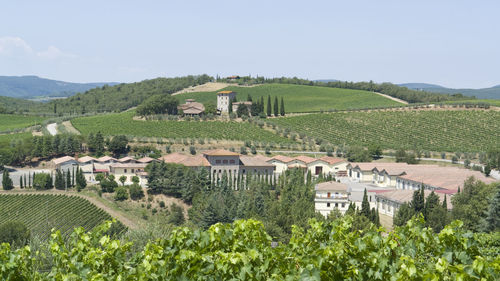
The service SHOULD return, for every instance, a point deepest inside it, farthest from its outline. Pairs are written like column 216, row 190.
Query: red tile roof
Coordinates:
column 332, row 160
column 220, row 152
column 282, row 158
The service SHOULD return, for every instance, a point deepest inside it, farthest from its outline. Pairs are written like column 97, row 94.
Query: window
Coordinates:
column 220, row 171
column 328, row 194
column 243, row 171
column 225, row 161
column 231, row 161
column 125, row 170
column 328, row 205
column 343, row 205
column 217, row 161
column 336, row 205
column 132, row 170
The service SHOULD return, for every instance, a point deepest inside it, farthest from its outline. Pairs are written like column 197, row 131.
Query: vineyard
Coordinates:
column 42, row 212
column 9, row 122
column 122, row 124
column 300, row 98
column 462, row 131
column 243, row 251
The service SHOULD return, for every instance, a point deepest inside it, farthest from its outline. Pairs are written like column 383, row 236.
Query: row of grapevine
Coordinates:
column 42, row 212
column 446, row 130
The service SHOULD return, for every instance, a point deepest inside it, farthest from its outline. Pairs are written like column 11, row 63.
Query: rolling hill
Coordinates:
column 34, row 86
column 301, row 98
column 484, row 93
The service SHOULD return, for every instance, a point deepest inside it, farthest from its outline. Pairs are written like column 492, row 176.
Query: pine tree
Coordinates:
column 282, row 108
column 276, row 110
column 365, row 206
column 99, row 143
column 6, row 180
column 269, row 108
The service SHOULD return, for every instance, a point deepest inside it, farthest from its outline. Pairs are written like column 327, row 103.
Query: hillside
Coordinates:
column 484, row 93
column 463, row 131
column 9, row 122
column 301, row 98
column 121, row 97
column 42, row 212
column 34, row 86
column 123, row 124
column 8, row 104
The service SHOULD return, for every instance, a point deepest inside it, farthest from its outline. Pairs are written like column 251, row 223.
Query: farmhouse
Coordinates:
column 65, row 163
column 224, row 99
column 389, row 202
column 316, row 166
column 191, row 108
column 129, row 170
column 236, row 105
column 329, row 196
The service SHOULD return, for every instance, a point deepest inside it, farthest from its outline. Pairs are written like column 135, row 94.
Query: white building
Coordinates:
column 224, row 99
column 389, row 202
column 329, row 196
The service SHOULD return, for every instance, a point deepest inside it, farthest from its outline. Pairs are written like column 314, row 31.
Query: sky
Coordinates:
column 450, row 43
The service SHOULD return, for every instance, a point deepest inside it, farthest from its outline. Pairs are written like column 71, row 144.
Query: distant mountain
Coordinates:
column 33, row 86
column 485, row 93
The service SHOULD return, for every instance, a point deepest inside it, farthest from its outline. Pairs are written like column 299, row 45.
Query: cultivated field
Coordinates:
column 6, row 139
column 490, row 102
column 122, row 124
column 10, row 122
column 464, row 131
column 42, row 212
column 299, row 98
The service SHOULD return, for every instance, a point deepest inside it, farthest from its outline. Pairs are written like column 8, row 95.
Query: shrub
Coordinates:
column 136, row 192
column 15, row 233
column 121, row 194
column 162, row 204
column 42, row 181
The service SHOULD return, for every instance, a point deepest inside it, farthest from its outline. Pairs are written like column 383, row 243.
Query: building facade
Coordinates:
column 330, row 196
column 224, row 99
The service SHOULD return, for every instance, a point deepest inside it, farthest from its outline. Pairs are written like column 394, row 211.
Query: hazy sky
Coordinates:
column 451, row 43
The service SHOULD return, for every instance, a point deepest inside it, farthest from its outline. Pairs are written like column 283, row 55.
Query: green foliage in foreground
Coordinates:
column 42, row 212
column 9, row 122
column 242, row 251
column 301, row 98
column 122, row 124
column 465, row 131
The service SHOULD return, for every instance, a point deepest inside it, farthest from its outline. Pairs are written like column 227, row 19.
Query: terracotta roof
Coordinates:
column 225, row 92
column 297, row 165
column 173, row 157
column 195, row 161
column 331, row 160
column 146, row 160
column 106, row 158
column 255, row 161
column 305, row 159
column 282, row 158
column 220, row 152
column 331, row 186
column 63, row 159
column 402, row 196
column 86, row 159
column 192, row 107
column 444, row 177
column 193, row 110
column 125, row 159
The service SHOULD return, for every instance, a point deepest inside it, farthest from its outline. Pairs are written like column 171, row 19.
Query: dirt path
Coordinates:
column 52, row 128
column 392, row 98
column 115, row 214
column 207, row 87
column 69, row 128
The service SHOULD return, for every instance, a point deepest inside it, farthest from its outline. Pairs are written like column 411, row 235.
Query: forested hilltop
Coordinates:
column 120, row 97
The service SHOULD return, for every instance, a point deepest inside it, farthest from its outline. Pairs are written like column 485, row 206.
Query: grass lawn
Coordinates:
column 299, row 98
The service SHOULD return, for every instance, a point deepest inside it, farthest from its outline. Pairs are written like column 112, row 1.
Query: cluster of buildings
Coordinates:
column 224, row 101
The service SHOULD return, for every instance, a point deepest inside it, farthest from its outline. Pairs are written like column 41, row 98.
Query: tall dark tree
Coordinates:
column 365, row 205
column 269, row 108
column 81, row 183
column 21, row 182
column 492, row 220
column 59, row 181
column 68, row 179
column 6, row 180
column 118, row 145
column 282, row 107
column 418, row 201
column 276, row 109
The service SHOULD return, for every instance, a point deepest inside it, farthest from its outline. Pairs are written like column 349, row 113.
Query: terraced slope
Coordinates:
column 300, row 98
column 42, row 212
column 123, row 124
column 458, row 130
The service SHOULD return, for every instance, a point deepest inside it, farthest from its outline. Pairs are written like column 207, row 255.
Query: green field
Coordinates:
column 10, row 122
column 122, row 124
column 42, row 212
column 299, row 98
column 5, row 139
column 463, row 131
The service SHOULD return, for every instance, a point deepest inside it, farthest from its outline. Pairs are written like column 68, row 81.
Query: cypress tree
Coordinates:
column 29, row 180
column 492, row 220
column 6, row 180
column 282, row 108
column 73, row 178
column 68, row 179
column 365, row 206
column 261, row 105
column 276, row 110
column 21, row 182
column 81, row 183
column 445, row 204
column 24, row 176
column 269, row 106
column 59, row 180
